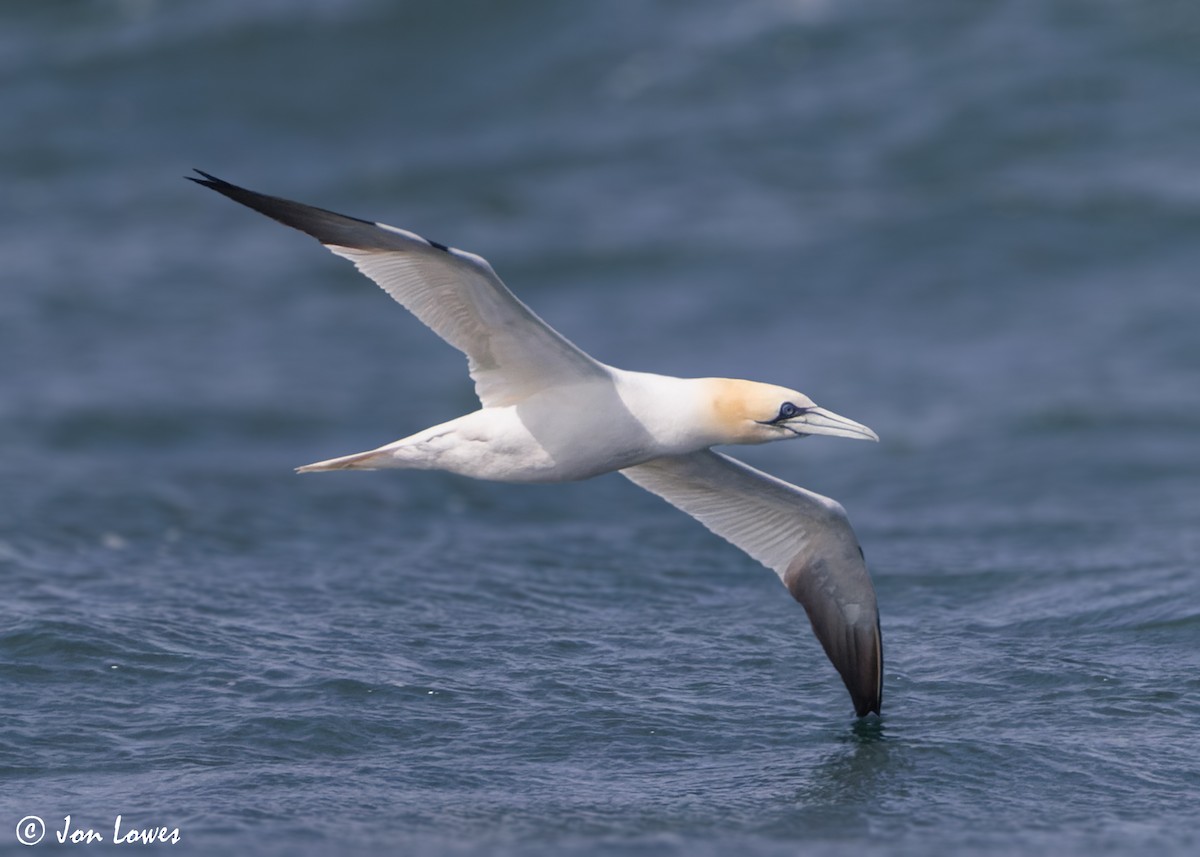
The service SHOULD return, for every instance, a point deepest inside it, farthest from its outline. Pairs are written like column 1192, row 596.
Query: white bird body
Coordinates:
column 551, row 413
column 559, row 434
column 566, row 432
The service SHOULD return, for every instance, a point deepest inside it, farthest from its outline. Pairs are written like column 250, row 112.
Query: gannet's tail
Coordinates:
column 373, row 460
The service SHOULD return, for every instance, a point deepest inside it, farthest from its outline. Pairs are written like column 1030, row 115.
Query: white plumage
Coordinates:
column 552, row 413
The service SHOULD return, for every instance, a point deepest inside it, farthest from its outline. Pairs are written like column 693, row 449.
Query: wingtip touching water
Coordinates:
column 549, row 412
column 855, row 647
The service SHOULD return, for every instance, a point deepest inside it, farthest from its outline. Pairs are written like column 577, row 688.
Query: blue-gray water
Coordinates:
column 973, row 226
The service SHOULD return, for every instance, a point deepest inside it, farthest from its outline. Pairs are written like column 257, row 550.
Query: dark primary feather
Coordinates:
column 326, row 226
column 856, row 649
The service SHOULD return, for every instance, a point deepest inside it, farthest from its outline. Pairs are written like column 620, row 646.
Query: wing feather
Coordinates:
column 511, row 352
column 802, row 536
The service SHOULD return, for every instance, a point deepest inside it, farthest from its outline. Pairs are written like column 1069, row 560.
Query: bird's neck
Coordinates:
column 682, row 414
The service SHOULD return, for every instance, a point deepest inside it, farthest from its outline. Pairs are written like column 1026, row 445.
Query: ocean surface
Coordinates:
column 974, row 227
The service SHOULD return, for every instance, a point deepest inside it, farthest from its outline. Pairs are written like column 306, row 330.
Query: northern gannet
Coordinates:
column 551, row 413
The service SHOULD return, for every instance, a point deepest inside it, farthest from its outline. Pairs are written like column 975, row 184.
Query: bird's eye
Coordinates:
column 788, row 411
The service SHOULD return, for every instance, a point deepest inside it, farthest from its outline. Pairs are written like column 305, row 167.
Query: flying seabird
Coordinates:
column 552, row 413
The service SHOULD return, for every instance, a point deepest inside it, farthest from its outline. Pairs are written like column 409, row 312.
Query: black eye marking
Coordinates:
column 789, row 411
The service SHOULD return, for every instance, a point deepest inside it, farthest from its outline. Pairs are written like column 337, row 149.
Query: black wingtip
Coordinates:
column 867, row 707
column 866, row 686
column 853, row 642
column 326, row 226
column 249, row 198
column 208, row 180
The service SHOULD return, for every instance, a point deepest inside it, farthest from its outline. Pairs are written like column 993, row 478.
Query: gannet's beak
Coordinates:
column 821, row 421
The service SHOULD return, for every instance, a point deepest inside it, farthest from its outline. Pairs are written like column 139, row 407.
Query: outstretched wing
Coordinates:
column 804, row 537
column 511, row 353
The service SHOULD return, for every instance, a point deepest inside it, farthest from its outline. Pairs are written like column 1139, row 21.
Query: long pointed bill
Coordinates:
column 821, row 421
